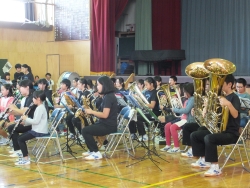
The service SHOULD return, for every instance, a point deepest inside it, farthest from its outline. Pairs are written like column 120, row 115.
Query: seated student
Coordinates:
column 172, row 128
column 36, row 82
column 150, row 95
column 39, row 126
column 141, row 85
column 107, row 118
column 6, row 78
column 74, row 88
column 204, row 144
column 241, row 92
column 90, row 85
column 158, row 82
column 6, row 99
column 43, row 86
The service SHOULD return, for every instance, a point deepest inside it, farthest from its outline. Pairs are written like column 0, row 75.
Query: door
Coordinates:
column 53, row 67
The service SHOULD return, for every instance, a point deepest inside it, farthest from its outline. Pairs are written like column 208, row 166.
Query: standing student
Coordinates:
column 18, row 74
column 39, row 126
column 6, row 99
column 204, row 144
column 50, row 82
column 107, row 118
column 27, row 73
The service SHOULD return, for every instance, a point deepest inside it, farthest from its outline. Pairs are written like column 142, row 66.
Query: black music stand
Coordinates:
column 78, row 105
column 67, row 146
column 149, row 151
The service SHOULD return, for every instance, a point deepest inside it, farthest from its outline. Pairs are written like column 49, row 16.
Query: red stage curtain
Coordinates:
column 166, row 27
column 104, row 14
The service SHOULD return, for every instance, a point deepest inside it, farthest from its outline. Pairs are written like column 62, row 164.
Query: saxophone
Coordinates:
column 216, row 118
column 199, row 74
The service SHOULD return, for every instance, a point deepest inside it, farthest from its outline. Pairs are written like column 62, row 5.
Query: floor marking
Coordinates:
column 183, row 177
column 58, row 176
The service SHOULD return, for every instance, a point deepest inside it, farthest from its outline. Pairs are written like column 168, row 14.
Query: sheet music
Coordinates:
column 244, row 102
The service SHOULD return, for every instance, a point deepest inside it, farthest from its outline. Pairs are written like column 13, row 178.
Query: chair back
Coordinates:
column 56, row 121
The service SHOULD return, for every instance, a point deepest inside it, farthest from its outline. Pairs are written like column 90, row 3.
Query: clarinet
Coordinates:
column 4, row 115
column 20, row 120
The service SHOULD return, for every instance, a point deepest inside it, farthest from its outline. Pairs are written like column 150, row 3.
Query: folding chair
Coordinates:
column 122, row 132
column 42, row 142
column 237, row 145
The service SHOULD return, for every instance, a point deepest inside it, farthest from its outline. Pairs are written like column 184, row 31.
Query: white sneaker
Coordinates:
column 85, row 154
column 94, row 156
column 214, row 170
column 201, row 163
column 63, row 134
column 144, row 138
column 166, row 148
column 23, row 162
column 81, row 139
column 4, row 141
column 174, row 150
column 189, row 153
column 17, row 153
column 71, row 136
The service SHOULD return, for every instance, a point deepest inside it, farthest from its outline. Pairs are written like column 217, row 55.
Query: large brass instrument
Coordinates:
column 217, row 116
column 169, row 101
column 199, row 74
column 141, row 99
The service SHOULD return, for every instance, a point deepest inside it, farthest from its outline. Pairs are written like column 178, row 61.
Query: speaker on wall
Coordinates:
column 125, row 46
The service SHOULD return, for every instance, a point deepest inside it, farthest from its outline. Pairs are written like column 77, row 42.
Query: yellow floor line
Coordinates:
column 186, row 176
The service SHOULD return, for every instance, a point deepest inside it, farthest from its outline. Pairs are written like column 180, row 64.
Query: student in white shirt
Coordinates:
column 39, row 125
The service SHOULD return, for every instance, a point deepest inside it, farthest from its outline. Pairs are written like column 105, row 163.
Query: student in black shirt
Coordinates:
column 18, row 74
column 43, row 85
column 151, row 96
column 27, row 73
column 107, row 118
column 204, row 144
column 26, row 91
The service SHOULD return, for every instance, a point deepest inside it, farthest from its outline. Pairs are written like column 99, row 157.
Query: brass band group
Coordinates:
column 204, row 114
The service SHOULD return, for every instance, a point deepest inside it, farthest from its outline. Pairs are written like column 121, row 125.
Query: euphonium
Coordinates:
column 199, row 74
column 217, row 116
column 141, row 99
column 170, row 102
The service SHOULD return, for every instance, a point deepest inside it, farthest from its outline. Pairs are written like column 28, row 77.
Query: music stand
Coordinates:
column 150, row 151
column 244, row 103
column 78, row 105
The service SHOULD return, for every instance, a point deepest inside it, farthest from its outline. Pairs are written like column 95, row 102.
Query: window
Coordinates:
column 12, row 11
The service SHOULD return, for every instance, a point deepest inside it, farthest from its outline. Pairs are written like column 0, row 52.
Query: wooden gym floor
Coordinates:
column 114, row 173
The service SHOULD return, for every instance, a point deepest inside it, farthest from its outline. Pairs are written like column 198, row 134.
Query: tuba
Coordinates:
column 216, row 118
column 141, row 99
column 199, row 74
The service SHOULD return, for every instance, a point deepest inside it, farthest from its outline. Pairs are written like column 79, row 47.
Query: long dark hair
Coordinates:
column 41, row 94
column 84, row 82
column 9, row 88
column 150, row 80
column 44, row 82
column 107, row 85
column 27, row 67
column 121, row 81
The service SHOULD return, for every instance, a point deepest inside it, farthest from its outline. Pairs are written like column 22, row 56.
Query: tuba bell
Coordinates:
column 199, row 74
column 217, row 116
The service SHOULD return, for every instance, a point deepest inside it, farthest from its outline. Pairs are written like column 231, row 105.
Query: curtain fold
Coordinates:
column 215, row 28
column 143, row 33
column 166, row 28
column 104, row 14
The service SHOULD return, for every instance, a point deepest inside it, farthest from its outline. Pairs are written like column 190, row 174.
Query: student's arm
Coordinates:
column 17, row 111
column 36, row 119
column 104, row 114
column 232, row 106
column 190, row 105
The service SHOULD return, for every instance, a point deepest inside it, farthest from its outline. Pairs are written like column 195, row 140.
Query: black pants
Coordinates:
column 140, row 126
column 19, row 129
column 22, row 142
column 187, row 129
column 96, row 129
column 205, row 144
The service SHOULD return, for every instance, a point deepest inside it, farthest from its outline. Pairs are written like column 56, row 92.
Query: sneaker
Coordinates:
column 94, row 156
column 4, row 141
column 189, row 153
column 23, row 162
column 143, row 138
column 174, row 150
column 17, row 153
column 81, row 139
column 214, row 170
column 200, row 163
column 85, row 154
column 21, row 158
column 63, row 134
column 133, row 136
column 71, row 136
column 166, row 148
